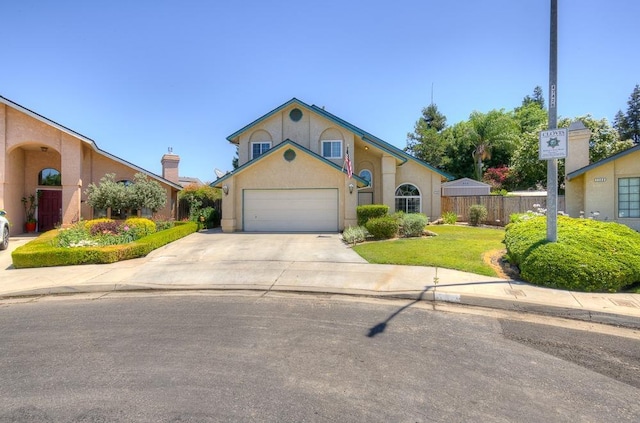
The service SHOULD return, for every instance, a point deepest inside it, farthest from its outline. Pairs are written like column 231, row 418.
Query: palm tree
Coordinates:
column 489, row 130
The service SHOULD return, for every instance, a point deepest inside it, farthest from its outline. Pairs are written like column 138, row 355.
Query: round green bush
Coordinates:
column 413, row 224
column 589, row 255
column 141, row 225
column 477, row 213
column 383, row 227
column 370, row 211
column 569, row 267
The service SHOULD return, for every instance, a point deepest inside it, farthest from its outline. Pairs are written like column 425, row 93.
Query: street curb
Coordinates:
column 613, row 319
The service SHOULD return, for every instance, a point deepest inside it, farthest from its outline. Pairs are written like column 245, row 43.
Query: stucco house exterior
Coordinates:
column 610, row 187
column 43, row 158
column 292, row 174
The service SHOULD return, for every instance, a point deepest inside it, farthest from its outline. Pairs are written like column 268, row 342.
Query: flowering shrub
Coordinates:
column 101, row 232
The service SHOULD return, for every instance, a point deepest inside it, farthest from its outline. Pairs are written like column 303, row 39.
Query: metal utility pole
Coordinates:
column 552, row 164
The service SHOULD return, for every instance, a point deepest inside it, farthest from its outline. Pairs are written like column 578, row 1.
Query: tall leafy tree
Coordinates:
column 426, row 141
column 489, row 131
column 537, row 98
column 605, row 140
column 628, row 125
column 527, row 171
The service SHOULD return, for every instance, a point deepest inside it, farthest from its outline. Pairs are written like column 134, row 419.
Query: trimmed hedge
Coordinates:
column 370, row 211
column 589, row 255
column 383, row 227
column 41, row 252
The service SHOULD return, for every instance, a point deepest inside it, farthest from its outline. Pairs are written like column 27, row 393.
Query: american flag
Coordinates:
column 347, row 164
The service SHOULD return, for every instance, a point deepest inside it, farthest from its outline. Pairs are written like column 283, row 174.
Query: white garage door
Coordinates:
column 291, row 210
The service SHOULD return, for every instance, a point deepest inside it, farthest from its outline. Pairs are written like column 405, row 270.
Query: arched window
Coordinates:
column 408, row 199
column 367, row 176
column 50, row 177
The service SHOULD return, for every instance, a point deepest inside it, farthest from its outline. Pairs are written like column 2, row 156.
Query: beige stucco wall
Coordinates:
column 308, row 132
column 273, row 171
column 428, row 182
column 597, row 190
column 22, row 158
column 601, row 196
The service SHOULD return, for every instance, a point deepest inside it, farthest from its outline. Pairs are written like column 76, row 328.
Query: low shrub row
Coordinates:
column 374, row 222
column 45, row 251
column 589, row 255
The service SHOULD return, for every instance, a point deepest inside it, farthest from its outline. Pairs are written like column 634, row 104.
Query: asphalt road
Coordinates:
column 280, row 358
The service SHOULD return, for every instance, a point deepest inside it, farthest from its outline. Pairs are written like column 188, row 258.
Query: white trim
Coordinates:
column 262, row 152
column 419, row 196
column 331, row 141
column 370, row 181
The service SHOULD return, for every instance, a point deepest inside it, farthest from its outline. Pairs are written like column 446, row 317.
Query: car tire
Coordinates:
column 4, row 242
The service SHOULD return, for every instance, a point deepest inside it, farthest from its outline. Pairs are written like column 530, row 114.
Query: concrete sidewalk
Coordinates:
column 215, row 261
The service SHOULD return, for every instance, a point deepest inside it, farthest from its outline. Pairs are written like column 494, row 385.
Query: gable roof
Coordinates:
column 383, row 145
column 84, row 139
column 465, row 182
column 599, row 163
column 283, row 144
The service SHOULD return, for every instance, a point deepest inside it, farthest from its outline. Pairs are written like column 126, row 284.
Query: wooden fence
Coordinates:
column 499, row 208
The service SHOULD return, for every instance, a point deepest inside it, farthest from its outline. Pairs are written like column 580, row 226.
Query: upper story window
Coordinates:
column 259, row 148
column 367, row 176
column 50, row 177
column 629, row 197
column 332, row 149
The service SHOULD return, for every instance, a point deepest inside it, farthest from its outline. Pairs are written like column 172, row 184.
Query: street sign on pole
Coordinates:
column 553, row 144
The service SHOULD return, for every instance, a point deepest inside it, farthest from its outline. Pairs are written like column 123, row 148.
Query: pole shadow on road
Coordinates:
column 380, row 327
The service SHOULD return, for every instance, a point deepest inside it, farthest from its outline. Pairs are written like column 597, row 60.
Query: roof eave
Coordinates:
column 85, row 139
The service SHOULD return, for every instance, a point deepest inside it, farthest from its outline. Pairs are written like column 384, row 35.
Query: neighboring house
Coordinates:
column 465, row 187
column 43, row 158
column 609, row 187
column 292, row 174
column 186, row 181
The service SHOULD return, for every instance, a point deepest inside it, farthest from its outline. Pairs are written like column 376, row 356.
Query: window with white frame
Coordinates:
column 259, row 148
column 408, row 199
column 332, row 149
column 367, row 175
column 629, row 197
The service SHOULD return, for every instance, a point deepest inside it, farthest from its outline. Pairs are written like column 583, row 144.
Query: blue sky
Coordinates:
column 140, row 76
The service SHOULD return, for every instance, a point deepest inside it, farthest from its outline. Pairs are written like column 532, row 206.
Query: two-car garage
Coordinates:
column 290, row 210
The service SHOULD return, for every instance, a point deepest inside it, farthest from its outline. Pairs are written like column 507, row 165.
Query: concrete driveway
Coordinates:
column 214, row 246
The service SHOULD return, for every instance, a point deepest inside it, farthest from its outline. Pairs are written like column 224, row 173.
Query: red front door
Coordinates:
column 49, row 210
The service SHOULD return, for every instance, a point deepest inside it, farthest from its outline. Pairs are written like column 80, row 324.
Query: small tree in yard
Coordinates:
column 142, row 193
column 145, row 193
column 107, row 194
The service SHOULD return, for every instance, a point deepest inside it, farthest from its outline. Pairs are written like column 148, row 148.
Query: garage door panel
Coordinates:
column 291, row 210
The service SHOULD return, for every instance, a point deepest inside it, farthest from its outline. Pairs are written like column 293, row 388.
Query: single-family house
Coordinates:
column 606, row 190
column 55, row 164
column 301, row 168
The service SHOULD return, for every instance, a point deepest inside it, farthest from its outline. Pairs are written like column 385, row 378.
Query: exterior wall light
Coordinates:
column 350, row 188
column 225, row 189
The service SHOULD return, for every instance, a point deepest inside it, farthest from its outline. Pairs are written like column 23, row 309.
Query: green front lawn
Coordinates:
column 455, row 247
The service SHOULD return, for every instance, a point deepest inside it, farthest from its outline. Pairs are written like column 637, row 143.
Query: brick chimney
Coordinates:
column 170, row 163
